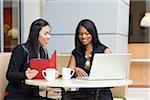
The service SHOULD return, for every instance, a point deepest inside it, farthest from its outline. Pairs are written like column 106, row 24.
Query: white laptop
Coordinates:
column 109, row 67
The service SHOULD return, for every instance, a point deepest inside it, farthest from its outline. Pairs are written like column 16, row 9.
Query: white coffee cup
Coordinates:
column 67, row 73
column 49, row 74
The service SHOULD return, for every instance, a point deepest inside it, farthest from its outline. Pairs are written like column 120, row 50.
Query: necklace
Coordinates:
column 87, row 64
column 88, row 56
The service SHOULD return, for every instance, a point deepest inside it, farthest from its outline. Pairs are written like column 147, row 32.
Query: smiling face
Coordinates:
column 44, row 35
column 84, row 36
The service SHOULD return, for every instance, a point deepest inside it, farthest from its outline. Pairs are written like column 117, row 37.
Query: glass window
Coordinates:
column 11, row 24
column 138, row 34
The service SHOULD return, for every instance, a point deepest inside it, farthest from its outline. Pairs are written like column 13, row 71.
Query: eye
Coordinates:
column 80, row 33
column 47, row 33
column 87, row 33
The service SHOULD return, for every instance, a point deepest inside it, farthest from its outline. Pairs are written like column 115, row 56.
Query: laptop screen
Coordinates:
column 110, row 66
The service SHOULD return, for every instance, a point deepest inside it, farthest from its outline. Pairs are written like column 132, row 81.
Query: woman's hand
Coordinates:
column 31, row 73
column 80, row 72
column 107, row 51
column 57, row 74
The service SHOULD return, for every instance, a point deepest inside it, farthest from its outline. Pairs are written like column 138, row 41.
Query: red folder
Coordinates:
column 42, row 64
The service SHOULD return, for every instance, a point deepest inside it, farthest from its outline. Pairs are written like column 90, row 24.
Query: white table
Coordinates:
column 78, row 83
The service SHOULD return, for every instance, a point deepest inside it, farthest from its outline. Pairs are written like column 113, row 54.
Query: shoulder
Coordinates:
column 17, row 51
column 19, row 48
column 100, row 48
column 76, row 52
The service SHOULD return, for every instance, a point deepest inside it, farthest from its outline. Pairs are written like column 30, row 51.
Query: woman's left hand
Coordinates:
column 31, row 73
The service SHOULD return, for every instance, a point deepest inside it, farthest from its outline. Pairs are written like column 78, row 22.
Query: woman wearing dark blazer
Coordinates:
column 86, row 44
column 19, row 70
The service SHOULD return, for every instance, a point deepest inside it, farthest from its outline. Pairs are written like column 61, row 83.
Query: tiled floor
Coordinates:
column 138, row 94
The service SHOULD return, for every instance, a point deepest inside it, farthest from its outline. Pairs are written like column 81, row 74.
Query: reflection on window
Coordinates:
column 11, row 24
column 138, row 34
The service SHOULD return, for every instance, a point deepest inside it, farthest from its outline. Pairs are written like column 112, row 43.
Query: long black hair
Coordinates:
column 91, row 28
column 35, row 28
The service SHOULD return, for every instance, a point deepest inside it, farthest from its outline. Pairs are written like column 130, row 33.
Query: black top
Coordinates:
column 18, row 65
column 80, row 56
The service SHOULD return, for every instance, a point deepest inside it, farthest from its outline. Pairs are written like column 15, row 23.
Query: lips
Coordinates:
column 46, row 42
column 85, row 40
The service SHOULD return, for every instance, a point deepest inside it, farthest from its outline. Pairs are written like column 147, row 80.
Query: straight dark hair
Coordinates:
column 35, row 28
column 91, row 28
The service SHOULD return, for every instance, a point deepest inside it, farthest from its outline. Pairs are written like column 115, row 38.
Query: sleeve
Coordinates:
column 74, row 53
column 103, row 47
column 78, row 58
column 15, row 73
column 100, row 49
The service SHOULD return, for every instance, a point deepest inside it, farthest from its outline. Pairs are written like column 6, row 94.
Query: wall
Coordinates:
column 110, row 17
column 30, row 11
column 140, row 71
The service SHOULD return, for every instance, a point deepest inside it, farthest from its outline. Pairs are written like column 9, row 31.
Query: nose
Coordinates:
column 83, row 36
column 48, row 36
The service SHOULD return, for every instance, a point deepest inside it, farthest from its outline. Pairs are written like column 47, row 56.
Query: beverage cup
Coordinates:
column 49, row 74
column 67, row 73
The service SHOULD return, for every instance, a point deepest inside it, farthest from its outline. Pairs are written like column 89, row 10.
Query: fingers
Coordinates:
column 31, row 73
column 34, row 71
column 84, row 73
column 80, row 72
column 28, row 69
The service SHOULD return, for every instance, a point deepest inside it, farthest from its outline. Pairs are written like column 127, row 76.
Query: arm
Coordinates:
column 78, row 71
column 17, row 71
column 14, row 73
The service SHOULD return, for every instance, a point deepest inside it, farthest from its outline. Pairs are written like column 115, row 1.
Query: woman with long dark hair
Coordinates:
column 18, row 70
column 86, row 44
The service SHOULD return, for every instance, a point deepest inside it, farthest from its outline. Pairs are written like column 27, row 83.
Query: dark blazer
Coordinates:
column 17, row 67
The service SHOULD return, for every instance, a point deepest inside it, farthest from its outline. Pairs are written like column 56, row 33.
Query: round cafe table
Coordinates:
column 77, row 83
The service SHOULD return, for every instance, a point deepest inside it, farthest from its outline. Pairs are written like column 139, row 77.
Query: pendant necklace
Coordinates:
column 88, row 58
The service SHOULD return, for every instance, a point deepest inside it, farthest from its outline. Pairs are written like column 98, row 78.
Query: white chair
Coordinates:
column 4, row 60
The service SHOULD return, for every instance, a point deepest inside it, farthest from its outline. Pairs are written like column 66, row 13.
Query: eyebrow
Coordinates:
column 84, row 32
